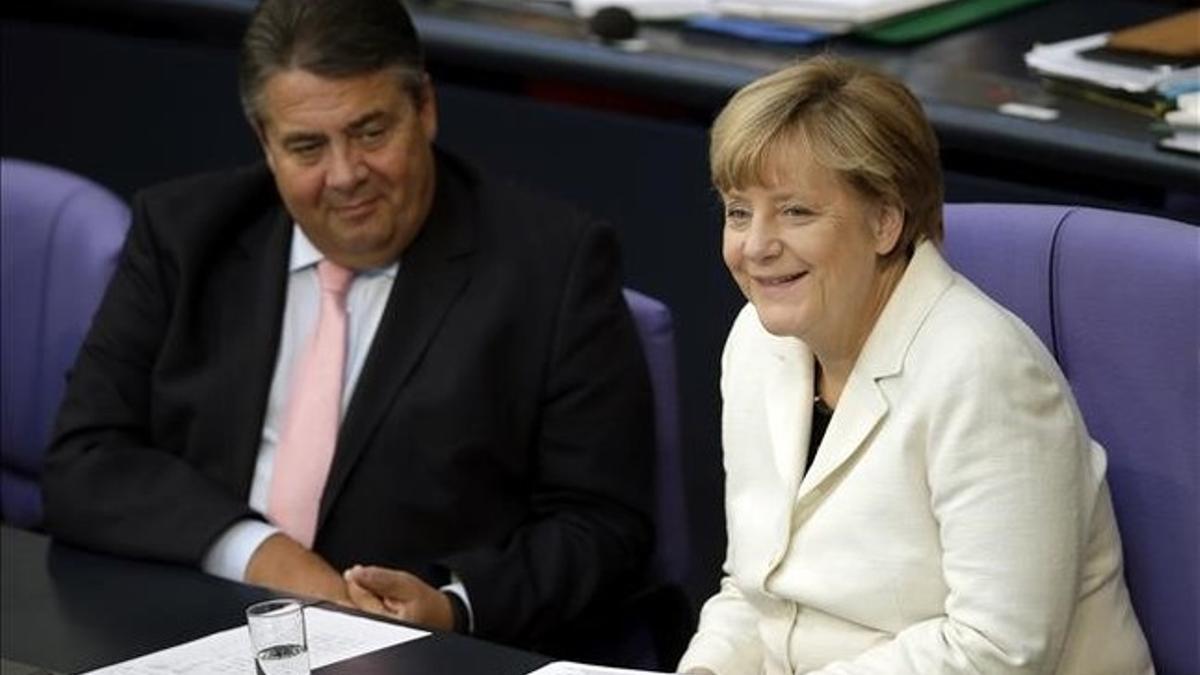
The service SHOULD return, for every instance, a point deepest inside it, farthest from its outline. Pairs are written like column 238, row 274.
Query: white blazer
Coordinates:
column 955, row 519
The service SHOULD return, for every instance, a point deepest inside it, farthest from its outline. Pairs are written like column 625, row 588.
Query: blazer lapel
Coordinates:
column 433, row 273
column 859, row 411
column 862, row 405
column 252, row 290
column 789, row 392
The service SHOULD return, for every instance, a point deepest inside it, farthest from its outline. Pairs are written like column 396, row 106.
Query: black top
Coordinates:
column 820, row 422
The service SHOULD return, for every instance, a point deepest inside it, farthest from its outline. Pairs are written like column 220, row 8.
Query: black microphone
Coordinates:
column 617, row 27
column 613, row 24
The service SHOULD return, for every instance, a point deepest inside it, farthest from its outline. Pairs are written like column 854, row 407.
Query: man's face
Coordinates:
column 352, row 159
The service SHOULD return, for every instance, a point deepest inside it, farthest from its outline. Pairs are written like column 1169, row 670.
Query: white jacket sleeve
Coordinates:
column 727, row 641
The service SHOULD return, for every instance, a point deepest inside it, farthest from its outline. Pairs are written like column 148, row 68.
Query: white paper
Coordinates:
column 1183, row 141
column 572, row 668
column 844, row 13
column 1187, row 117
column 850, row 12
column 1062, row 59
column 332, row 637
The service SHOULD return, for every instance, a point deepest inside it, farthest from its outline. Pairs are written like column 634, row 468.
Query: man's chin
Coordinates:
column 359, row 253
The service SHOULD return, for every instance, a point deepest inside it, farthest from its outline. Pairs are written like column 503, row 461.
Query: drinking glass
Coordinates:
column 277, row 637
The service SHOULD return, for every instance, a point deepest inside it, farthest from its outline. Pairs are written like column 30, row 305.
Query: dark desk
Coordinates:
column 69, row 610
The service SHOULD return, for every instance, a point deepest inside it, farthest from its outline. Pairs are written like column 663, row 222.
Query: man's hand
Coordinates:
column 281, row 563
column 399, row 595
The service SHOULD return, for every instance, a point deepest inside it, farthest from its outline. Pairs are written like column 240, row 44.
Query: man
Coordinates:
column 362, row 353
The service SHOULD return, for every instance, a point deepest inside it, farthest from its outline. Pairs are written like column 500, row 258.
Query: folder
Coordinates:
column 1175, row 36
column 939, row 20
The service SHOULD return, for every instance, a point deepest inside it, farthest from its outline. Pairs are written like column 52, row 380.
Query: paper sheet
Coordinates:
column 332, row 637
column 572, row 668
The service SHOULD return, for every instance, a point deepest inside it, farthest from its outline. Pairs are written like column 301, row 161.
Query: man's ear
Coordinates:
column 427, row 108
column 260, row 133
column 889, row 223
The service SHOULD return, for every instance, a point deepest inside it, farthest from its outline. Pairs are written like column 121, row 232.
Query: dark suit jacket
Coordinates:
column 501, row 426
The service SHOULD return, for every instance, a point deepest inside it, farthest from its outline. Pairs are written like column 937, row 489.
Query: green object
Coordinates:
column 939, row 19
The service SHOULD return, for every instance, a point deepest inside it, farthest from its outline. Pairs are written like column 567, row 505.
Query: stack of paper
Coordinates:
column 1142, row 67
column 1083, row 67
column 1067, row 59
column 1184, row 124
column 835, row 16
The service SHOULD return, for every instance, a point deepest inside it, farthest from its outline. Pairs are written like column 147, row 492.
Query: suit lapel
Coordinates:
column 433, row 273
column 253, row 290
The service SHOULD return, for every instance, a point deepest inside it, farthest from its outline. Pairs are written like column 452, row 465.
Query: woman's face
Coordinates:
column 805, row 250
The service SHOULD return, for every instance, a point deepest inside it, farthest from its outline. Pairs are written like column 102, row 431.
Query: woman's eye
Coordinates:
column 737, row 218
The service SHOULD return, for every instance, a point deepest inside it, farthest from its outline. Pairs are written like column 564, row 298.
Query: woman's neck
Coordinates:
column 837, row 355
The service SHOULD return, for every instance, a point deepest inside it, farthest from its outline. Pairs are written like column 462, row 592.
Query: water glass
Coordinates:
column 277, row 637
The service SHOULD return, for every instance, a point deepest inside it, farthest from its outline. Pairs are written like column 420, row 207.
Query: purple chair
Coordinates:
column 665, row 620
column 657, row 333
column 60, row 237
column 1116, row 298
column 651, row 629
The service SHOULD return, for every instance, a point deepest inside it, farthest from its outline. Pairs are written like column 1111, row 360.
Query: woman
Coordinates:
column 909, row 485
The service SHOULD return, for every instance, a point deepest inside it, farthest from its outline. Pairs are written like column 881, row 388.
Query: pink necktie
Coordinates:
column 310, row 421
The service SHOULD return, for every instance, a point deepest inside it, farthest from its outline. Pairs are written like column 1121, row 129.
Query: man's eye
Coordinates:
column 372, row 135
column 305, row 150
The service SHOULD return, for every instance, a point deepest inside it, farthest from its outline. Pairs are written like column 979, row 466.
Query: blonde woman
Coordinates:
column 910, row 488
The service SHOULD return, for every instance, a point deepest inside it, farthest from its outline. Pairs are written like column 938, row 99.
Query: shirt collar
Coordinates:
column 304, row 255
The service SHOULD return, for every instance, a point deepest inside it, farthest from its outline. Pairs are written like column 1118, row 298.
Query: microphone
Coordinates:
column 616, row 26
column 613, row 23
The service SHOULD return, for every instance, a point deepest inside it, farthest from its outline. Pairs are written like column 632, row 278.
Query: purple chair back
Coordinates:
column 654, row 627
column 60, row 237
column 1116, row 298
column 657, row 333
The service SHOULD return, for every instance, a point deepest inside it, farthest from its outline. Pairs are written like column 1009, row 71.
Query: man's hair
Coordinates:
column 329, row 38
column 863, row 125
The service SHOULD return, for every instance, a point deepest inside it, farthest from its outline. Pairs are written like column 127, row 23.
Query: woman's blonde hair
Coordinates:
column 865, row 126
